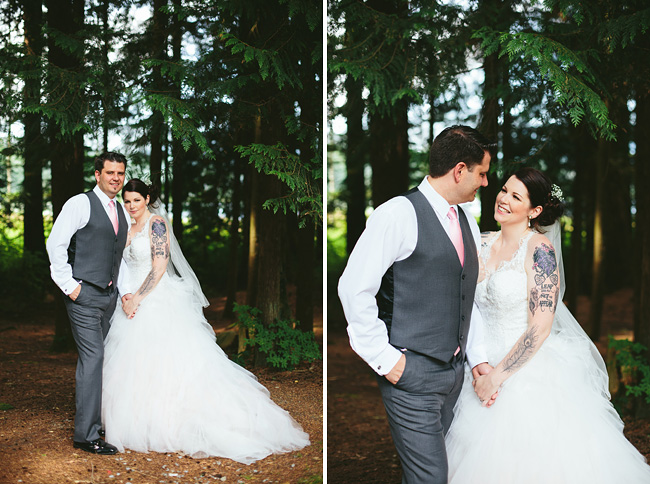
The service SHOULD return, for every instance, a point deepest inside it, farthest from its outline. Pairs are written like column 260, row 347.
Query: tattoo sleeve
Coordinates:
column 159, row 242
column 159, row 255
column 545, row 293
column 148, row 284
column 522, row 351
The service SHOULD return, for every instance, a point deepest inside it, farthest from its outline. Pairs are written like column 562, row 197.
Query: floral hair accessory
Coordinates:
column 556, row 192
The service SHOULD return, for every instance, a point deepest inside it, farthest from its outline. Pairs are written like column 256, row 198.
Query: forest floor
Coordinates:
column 37, row 418
column 360, row 448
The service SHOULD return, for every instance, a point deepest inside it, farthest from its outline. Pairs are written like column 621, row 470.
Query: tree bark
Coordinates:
column 355, row 162
column 271, row 244
column 489, row 127
column 253, row 231
column 159, row 51
column 617, row 221
column 596, row 303
column 107, row 98
column 389, row 153
column 573, row 272
column 178, row 153
column 642, row 163
column 233, row 259
column 66, row 151
column 305, row 277
column 34, row 240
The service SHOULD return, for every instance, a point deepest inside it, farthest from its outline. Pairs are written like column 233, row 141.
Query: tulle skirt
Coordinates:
column 547, row 426
column 168, row 387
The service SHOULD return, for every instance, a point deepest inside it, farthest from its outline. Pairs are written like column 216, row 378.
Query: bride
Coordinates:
column 552, row 421
column 168, row 387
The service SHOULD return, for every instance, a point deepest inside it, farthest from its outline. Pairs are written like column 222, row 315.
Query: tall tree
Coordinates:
column 159, row 41
column 65, row 20
column 34, row 241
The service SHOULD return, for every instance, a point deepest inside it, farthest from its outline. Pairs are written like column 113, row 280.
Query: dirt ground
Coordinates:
column 37, row 419
column 360, row 448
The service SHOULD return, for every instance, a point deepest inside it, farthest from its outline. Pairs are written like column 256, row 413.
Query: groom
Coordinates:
column 407, row 292
column 85, row 250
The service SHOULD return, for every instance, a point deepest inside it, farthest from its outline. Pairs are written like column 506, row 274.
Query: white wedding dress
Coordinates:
column 168, row 387
column 549, row 425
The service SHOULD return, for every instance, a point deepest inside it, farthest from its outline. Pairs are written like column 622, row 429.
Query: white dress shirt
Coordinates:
column 74, row 216
column 391, row 235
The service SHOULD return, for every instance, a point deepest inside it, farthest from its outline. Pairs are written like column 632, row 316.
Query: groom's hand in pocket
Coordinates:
column 75, row 294
column 395, row 374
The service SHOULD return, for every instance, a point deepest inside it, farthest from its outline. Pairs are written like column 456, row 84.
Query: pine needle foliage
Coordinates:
column 566, row 71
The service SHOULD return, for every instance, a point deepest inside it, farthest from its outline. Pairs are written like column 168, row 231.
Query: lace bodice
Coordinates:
column 502, row 298
column 138, row 255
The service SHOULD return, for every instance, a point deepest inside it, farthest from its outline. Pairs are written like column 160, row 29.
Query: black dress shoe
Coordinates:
column 96, row 447
column 102, row 433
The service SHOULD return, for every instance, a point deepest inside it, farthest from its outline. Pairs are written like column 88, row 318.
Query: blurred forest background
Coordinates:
column 218, row 102
column 563, row 85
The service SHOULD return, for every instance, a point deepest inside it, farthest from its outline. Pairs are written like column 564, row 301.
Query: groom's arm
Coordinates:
column 475, row 350
column 73, row 216
column 390, row 235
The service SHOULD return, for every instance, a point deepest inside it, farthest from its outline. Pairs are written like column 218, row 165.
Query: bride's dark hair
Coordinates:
column 136, row 185
column 540, row 193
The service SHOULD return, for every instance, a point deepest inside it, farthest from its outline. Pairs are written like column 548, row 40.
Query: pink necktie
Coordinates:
column 113, row 215
column 456, row 235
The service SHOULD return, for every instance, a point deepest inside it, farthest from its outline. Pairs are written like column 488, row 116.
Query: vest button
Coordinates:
column 461, row 337
column 463, row 297
column 463, row 317
column 463, row 277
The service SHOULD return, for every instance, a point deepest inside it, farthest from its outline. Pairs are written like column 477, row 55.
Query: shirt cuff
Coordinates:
column 386, row 360
column 69, row 287
column 476, row 356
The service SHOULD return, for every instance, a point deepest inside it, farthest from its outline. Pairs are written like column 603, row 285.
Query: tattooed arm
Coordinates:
column 158, row 236
column 543, row 292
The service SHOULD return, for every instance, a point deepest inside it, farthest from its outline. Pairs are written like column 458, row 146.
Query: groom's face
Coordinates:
column 474, row 178
column 111, row 179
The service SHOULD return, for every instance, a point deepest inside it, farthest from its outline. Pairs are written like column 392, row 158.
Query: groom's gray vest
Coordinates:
column 95, row 252
column 426, row 299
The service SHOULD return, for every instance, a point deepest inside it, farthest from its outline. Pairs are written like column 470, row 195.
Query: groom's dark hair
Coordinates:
column 458, row 144
column 109, row 156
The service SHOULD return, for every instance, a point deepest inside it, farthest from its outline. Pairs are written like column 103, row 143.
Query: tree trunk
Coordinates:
column 617, row 219
column 271, row 229
column 67, row 153
column 107, row 98
column 355, row 161
column 489, row 127
column 178, row 153
column 389, row 153
column 67, row 181
column 305, row 277
column 159, row 35
column 34, row 240
column 596, row 303
column 573, row 272
column 253, row 231
column 642, row 162
column 233, row 260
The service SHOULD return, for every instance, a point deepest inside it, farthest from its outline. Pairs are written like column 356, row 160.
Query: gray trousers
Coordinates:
column 420, row 410
column 90, row 316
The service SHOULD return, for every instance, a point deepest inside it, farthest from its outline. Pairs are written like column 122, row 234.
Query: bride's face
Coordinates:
column 135, row 204
column 512, row 204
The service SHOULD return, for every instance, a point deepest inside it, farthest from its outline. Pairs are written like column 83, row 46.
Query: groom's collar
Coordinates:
column 103, row 198
column 437, row 202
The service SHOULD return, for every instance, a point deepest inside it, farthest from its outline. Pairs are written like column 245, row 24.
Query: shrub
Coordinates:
column 630, row 357
column 284, row 346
